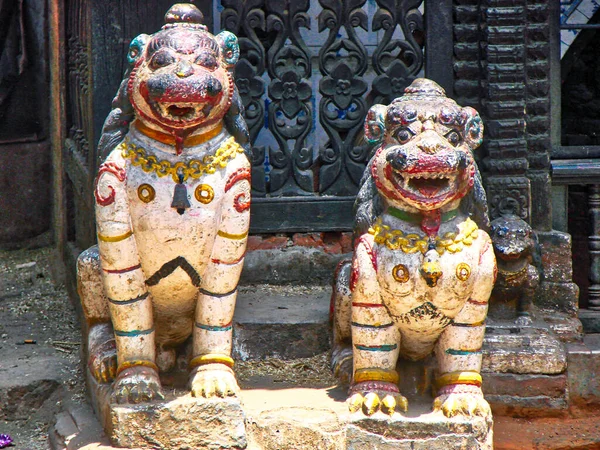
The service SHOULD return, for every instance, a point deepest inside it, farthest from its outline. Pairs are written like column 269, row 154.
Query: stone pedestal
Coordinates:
column 423, row 432
column 179, row 422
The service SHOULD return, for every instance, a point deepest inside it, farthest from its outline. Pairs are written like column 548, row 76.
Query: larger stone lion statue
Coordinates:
column 423, row 269
column 172, row 214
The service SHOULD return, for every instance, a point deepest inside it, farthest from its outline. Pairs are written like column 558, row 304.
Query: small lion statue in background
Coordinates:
column 172, row 214
column 423, row 269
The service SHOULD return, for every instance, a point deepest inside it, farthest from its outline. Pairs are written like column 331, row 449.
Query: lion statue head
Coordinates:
column 423, row 158
column 178, row 82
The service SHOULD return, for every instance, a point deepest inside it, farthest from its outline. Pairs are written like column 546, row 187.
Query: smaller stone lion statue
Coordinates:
column 423, row 268
column 172, row 213
column 517, row 255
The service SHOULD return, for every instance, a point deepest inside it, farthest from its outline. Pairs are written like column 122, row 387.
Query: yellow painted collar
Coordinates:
column 168, row 139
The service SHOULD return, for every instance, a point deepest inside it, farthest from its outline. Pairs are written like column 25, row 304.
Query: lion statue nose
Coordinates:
column 184, row 69
column 397, row 160
column 429, row 144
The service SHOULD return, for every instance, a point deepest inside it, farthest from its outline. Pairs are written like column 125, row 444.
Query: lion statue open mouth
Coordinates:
column 422, row 270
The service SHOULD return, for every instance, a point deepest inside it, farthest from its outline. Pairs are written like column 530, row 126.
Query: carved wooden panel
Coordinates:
column 309, row 71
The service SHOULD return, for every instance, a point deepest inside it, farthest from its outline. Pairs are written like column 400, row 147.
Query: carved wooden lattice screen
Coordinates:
column 309, row 71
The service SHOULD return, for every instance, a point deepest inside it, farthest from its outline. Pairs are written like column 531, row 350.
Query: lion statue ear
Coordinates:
column 137, row 48
column 230, row 48
column 473, row 127
column 375, row 124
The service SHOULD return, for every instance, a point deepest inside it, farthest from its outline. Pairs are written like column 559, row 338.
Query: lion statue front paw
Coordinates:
column 102, row 350
column 137, row 384
column 213, row 380
column 464, row 400
column 376, row 396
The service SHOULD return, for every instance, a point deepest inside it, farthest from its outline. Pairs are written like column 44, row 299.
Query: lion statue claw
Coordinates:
column 172, row 200
column 423, row 266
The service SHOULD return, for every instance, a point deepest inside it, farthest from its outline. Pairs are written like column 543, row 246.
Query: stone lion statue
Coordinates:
column 172, row 213
column 423, row 267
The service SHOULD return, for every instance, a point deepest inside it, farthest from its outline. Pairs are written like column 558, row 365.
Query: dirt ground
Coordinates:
column 39, row 347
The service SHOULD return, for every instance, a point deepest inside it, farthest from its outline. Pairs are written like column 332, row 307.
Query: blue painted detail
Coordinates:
column 454, row 352
column 214, row 294
column 130, row 301
column 134, row 333
column 214, row 327
column 229, row 47
column 378, row 327
column 136, row 48
column 267, row 103
column 377, row 348
column 267, row 168
column 342, row 113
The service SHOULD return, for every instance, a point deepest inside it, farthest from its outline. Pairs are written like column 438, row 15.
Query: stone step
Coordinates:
column 284, row 322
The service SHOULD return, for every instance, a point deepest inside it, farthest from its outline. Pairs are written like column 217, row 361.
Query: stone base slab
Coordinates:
column 424, row 432
column 178, row 422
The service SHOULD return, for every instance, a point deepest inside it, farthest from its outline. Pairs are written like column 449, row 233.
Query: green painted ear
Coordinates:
column 375, row 124
column 136, row 48
column 230, row 48
column 473, row 127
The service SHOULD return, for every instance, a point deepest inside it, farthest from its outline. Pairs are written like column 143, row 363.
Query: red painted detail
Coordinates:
column 229, row 263
column 113, row 169
column 380, row 187
column 128, row 269
column 430, row 224
column 354, row 275
column 240, row 203
column 475, row 302
column 484, row 249
column 495, row 272
column 179, row 139
column 471, row 175
column 368, row 305
column 367, row 245
column 236, row 177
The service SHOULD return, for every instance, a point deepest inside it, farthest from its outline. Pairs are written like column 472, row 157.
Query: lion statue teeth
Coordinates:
column 423, row 268
column 172, row 213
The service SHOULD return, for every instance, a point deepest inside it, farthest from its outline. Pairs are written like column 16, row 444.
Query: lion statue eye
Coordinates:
column 208, row 61
column 161, row 59
column 454, row 138
column 403, row 135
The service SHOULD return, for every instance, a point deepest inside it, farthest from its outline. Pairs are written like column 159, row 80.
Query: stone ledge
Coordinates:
column 508, row 348
column 426, row 431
